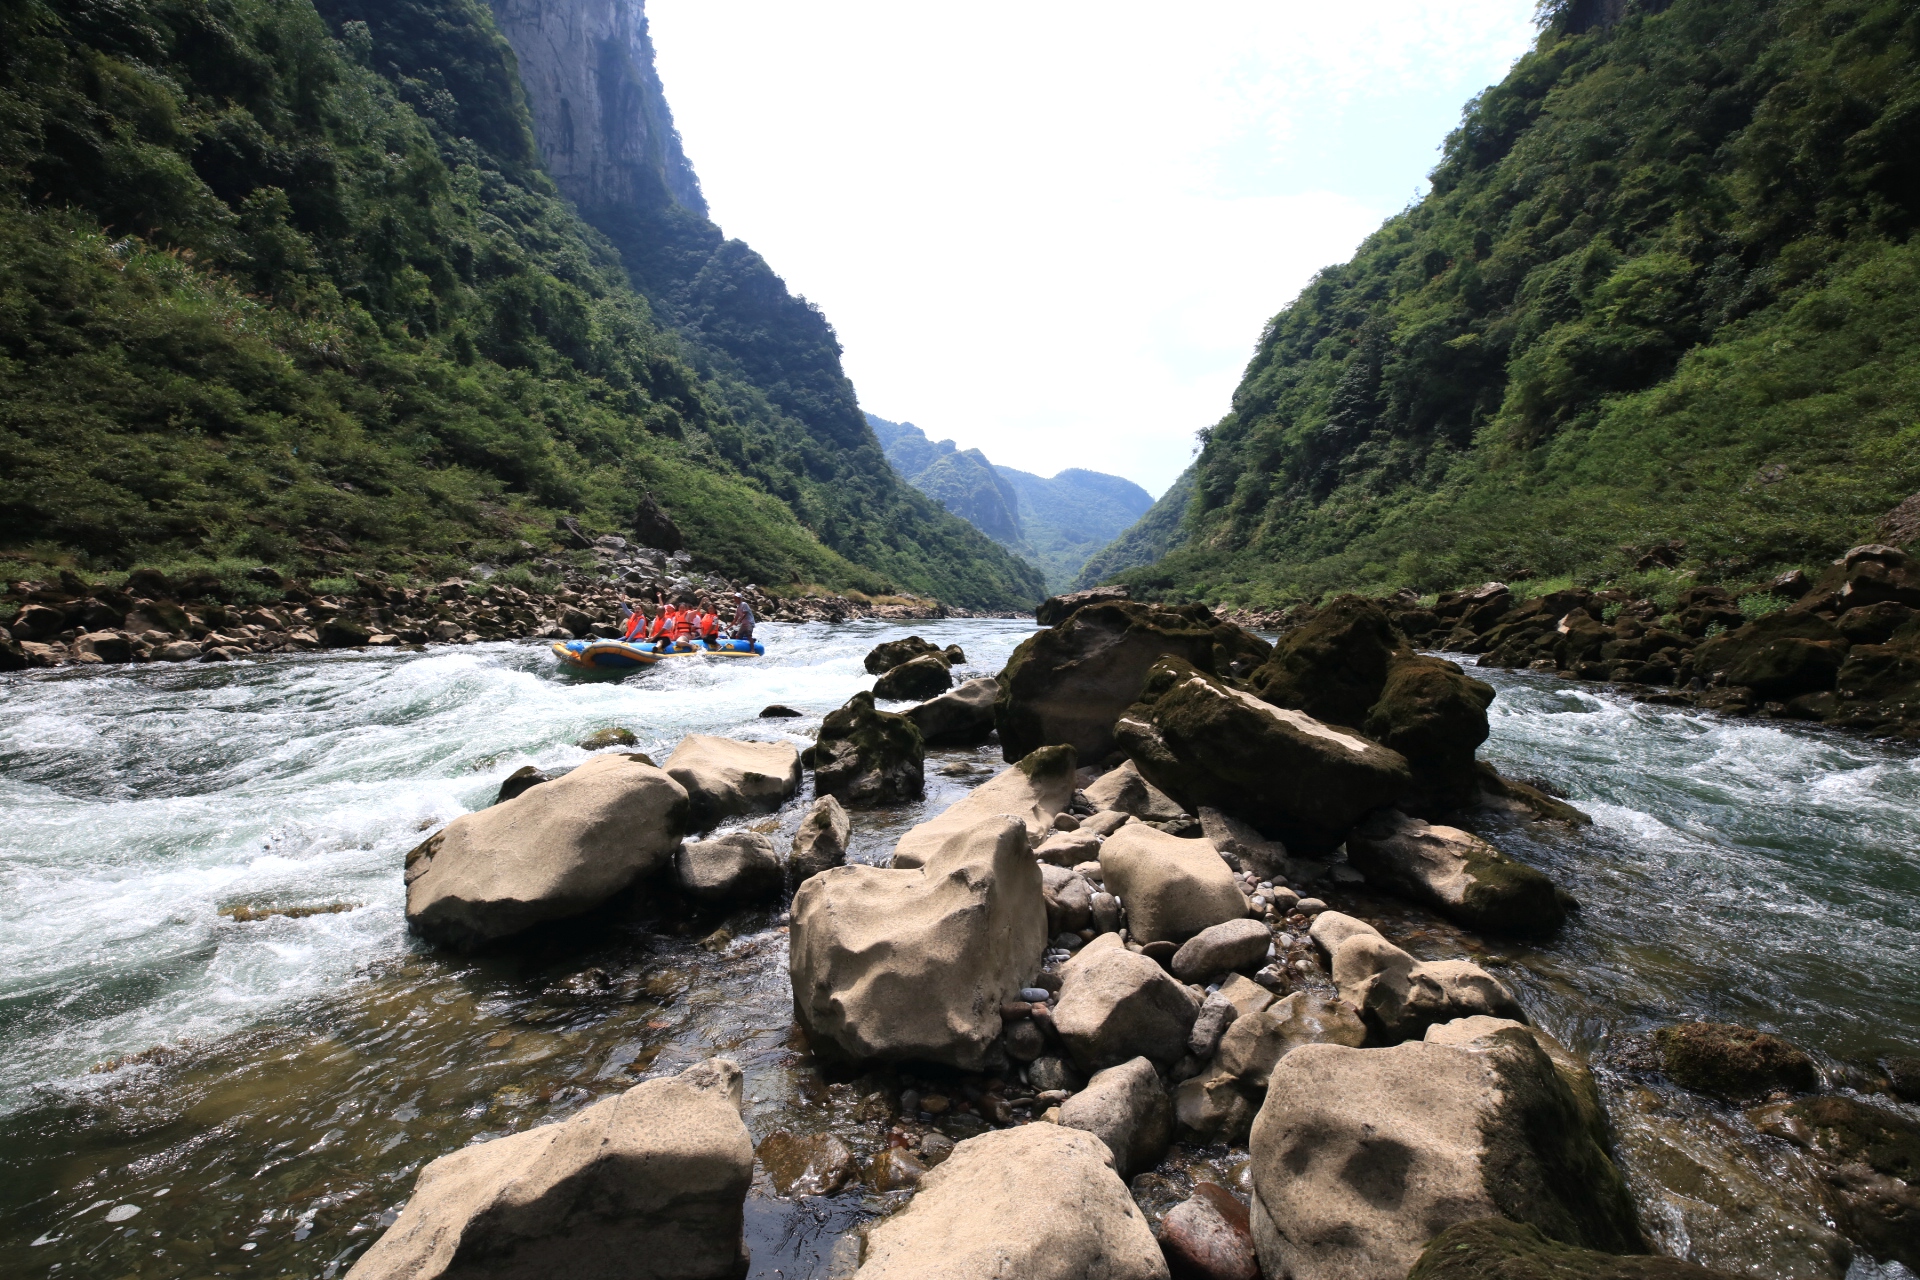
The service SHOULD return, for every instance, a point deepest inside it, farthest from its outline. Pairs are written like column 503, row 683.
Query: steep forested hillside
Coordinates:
column 1664, row 289
column 1053, row 522
column 291, row 284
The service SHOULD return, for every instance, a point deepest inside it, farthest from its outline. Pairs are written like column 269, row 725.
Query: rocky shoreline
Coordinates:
column 148, row 617
column 1113, row 949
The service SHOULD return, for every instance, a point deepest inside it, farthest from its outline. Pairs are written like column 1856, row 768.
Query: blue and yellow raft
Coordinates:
column 624, row 655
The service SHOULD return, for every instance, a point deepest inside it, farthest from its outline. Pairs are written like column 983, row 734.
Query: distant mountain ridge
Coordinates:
column 1055, row 523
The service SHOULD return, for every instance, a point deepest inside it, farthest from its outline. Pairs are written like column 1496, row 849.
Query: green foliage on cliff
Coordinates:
column 284, row 286
column 1664, row 287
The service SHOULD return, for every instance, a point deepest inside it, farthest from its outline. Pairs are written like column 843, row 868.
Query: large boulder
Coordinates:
column 1435, row 715
column 1290, row 776
column 1069, row 683
column 1778, row 656
column 923, row 677
column 1362, row 1156
column 867, row 756
column 741, row 866
column 1040, row 1202
column 1125, row 1107
column 1034, row 791
column 557, row 850
column 1172, row 887
column 821, row 840
column 1501, row 1249
column 1458, row 874
column 1334, row 667
column 913, row 964
column 1116, row 1005
column 646, row 1185
column 1123, row 790
column 1222, row 948
column 1055, row 610
column 725, row 779
column 1399, row 997
column 961, row 717
column 889, row 654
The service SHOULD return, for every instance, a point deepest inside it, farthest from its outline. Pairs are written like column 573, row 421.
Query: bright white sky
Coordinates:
column 1053, row 229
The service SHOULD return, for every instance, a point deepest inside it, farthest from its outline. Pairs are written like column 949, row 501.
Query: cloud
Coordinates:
column 1054, row 230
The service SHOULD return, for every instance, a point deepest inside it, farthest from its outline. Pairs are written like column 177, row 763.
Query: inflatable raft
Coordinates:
column 623, row 655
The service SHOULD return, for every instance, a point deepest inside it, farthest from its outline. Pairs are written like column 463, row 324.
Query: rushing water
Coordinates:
column 184, row 1094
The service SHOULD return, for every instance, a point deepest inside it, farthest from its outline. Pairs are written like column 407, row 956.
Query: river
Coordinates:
column 184, row 1094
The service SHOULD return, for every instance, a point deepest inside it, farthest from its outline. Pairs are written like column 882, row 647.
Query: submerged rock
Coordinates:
column 913, row 964
column 1289, row 775
column 1869, row 1163
column 614, row 736
column 867, row 756
column 1172, row 887
column 562, row 848
column 1730, row 1061
column 1034, row 791
column 649, row 1184
column 725, row 779
column 815, row 1164
column 962, row 717
column 1501, row 1249
column 1362, row 1156
column 1068, row 684
column 1460, row 875
column 821, row 841
column 1039, row 1202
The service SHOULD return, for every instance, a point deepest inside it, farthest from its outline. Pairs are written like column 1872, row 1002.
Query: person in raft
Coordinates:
column 742, row 619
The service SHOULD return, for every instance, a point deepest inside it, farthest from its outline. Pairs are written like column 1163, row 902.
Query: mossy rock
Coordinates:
column 520, row 781
column 1730, row 1061
column 1435, row 715
column 867, row 756
column 612, row 736
column 883, row 658
column 1070, row 683
column 1778, row 656
column 340, row 633
column 1871, row 1180
column 1335, row 667
column 1497, row 1249
column 915, row 680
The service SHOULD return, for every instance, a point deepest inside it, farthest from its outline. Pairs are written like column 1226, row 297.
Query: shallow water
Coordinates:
column 291, row 1075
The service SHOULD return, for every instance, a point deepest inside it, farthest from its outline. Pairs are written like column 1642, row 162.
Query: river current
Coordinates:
column 184, row 1093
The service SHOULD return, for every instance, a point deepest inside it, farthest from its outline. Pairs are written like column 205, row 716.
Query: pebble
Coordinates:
column 1051, row 1097
column 1014, row 1010
column 1066, row 822
column 935, row 1104
column 1034, row 995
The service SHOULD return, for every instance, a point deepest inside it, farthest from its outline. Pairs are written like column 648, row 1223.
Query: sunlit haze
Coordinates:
column 1054, row 231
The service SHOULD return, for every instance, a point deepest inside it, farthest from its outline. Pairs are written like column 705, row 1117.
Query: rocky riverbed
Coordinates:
column 270, row 1084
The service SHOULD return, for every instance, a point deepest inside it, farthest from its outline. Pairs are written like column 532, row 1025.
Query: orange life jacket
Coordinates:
column 636, row 626
column 709, row 626
column 662, row 625
column 683, row 625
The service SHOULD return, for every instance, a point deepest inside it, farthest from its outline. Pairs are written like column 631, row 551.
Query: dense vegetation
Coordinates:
column 1664, row 289
column 1054, row 522
column 289, row 285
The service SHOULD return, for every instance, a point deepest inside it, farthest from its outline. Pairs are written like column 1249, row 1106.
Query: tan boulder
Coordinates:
column 912, row 964
column 1362, row 1156
column 1172, row 887
column 1034, row 791
column 1039, row 1202
column 1125, row 1107
column 1455, row 872
column 821, row 841
column 1123, row 790
column 557, row 850
column 1116, row 1004
column 1399, row 997
column 646, row 1185
column 1254, row 1044
column 725, row 778
column 1221, row 948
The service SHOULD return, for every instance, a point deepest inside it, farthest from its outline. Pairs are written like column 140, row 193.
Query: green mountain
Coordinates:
column 1056, row 523
column 292, row 282
column 1664, row 290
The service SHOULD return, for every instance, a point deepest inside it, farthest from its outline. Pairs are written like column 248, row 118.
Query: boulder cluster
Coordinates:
column 152, row 617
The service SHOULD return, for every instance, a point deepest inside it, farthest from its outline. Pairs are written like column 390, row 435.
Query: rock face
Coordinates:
column 1116, row 1005
column 1172, row 887
column 1033, row 791
column 913, row 964
column 725, row 779
column 962, row 717
column 1499, row 1249
column 923, row 677
column 821, row 841
column 741, row 866
column 1732, row 1062
column 560, row 849
column 648, row 1184
column 1125, row 1107
column 867, row 756
column 1777, row 656
column 1462, row 876
column 1222, row 948
column 1282, row 771
column 1362, row 1156
column 1123, row 790
column 1069, row 684
column 1039, row 1202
